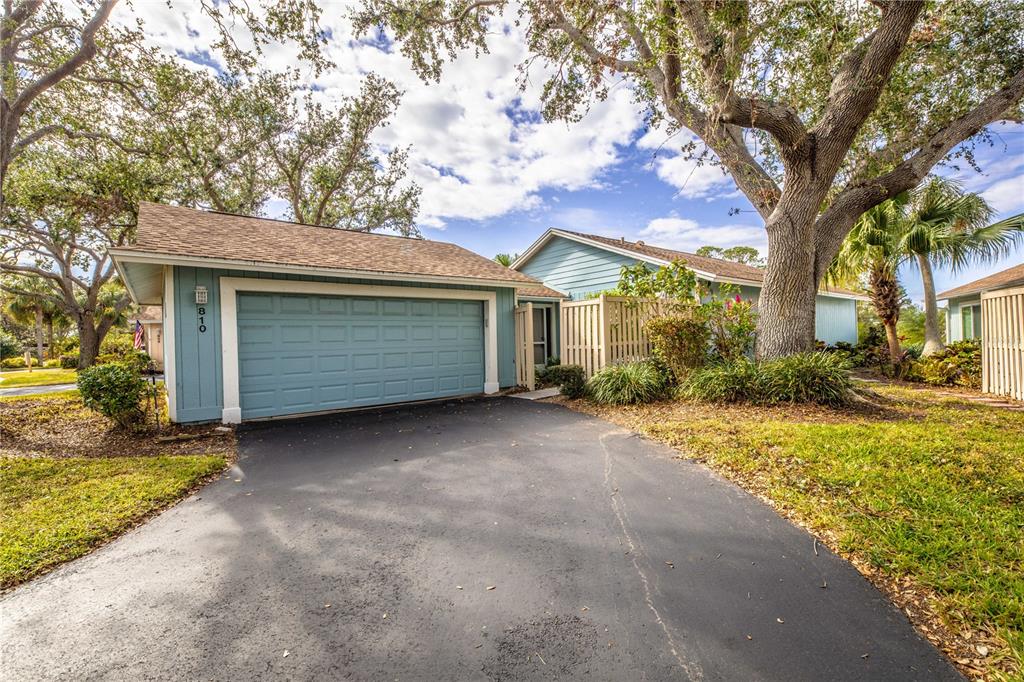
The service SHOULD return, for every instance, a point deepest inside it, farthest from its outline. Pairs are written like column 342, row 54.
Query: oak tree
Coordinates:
column 818, row 110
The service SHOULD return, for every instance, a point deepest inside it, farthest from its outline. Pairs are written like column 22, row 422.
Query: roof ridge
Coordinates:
column 290, row 222
column 624, row 241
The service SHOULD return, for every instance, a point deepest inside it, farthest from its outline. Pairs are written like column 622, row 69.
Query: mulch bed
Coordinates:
column 61, row 426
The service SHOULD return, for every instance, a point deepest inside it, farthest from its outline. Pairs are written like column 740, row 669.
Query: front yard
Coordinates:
column 924, row 493
column 37, row 377
column 69, row 482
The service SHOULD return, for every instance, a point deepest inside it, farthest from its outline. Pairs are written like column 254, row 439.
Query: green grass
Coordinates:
column 932, row 490
column 38, row 377
column 54, row 510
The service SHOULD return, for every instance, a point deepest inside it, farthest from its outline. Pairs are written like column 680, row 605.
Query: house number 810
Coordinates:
column 202, row 320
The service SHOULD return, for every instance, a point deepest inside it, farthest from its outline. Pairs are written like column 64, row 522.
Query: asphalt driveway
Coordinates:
column 366, row 546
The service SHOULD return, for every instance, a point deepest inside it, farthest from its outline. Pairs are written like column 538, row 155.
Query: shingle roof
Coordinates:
column 715, row 266
column 540, row 292
column 177, row 231
column 1001, row 280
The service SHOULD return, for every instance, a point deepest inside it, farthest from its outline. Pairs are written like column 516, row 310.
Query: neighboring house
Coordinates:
column 963, row 315
column 579, row 265
column 152, row 321
column 265, row 318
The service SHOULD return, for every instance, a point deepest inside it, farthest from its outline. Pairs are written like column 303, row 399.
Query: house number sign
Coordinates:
column 202, row 319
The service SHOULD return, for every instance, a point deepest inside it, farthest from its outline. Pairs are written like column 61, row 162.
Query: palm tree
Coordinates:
column 870, row 248
column 506, row 259
column 27, row 309
column 947, row 227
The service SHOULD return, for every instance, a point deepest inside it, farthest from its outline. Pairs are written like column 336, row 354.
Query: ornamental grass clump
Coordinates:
column 629, row 383
column 820, row 378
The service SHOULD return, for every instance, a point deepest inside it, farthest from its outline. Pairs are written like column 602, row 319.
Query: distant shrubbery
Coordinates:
column 16, row 363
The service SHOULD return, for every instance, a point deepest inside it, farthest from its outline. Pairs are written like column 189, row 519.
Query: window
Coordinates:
column 970, row 320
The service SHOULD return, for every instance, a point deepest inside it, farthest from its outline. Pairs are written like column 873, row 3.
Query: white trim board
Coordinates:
column 230, row 286
column 170, row 368
column 132, row 256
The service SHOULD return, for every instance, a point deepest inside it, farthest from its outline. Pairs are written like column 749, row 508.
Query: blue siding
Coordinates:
column 954, row 323
column 835, row 320
column 576, row 269
column 581, row 269
column 198, row 355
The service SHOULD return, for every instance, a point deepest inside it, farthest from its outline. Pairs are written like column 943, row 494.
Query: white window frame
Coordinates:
column 231, row 286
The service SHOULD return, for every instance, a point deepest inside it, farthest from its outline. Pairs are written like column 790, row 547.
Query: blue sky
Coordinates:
column 495, row 175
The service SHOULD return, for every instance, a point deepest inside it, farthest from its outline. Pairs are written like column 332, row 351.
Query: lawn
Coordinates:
column 54, row 510
column 69, row 481
column 925, row 494
column 38, row 377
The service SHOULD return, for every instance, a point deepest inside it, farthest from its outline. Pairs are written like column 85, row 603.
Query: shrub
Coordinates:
column 724, row 382
column 115, row 390
column 822, row 378
column 69, row 361
column 51, row 363
column 9, row 345
column 733, row 326
column 17, row 363
column 570, row 378
column 680, row 341
column 629, row 383
column 959, row 364
column 117, row 343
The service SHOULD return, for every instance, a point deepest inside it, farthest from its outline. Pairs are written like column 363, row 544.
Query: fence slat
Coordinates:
column 1002, row 339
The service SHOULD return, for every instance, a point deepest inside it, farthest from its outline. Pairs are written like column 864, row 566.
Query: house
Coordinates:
column 991, row 309
column 151, row 319
column 265, row 318
column 963, row 314
column 576, row 265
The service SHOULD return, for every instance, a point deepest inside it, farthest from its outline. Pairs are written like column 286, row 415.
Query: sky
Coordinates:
column 495, row 175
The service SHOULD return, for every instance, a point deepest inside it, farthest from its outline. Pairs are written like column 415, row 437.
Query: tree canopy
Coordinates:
column 818, row 110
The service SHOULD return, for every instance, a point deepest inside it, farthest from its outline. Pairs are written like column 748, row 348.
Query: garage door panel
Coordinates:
column 311, row 353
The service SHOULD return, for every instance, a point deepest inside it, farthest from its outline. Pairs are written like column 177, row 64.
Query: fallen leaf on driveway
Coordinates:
column 780, row 620
column 286, row 652
column 491, row 587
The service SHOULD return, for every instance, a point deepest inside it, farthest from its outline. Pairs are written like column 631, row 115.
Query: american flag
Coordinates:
column 138, row 335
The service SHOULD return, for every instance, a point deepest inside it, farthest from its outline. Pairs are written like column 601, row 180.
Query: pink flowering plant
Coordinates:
column 732, row 322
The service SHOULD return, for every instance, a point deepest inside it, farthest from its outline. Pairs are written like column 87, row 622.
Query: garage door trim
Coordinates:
column 231, row 286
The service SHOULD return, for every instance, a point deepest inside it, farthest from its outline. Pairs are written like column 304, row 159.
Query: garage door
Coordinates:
column 302, row 353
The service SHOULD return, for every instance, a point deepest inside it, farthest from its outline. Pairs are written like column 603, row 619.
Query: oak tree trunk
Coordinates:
column 932, row 339
column 786, row 306
column 88, row 341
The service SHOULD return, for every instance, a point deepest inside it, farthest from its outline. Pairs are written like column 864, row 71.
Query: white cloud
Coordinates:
column 478, row 146
column 684, row 234
column 1006, row 196
column 693, row 178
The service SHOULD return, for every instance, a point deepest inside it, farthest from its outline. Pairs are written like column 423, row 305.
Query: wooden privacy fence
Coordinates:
column 1002, row 342
column 605, row 330
column 525, row 373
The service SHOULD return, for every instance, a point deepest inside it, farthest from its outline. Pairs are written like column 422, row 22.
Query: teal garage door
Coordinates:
column 301, row 353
